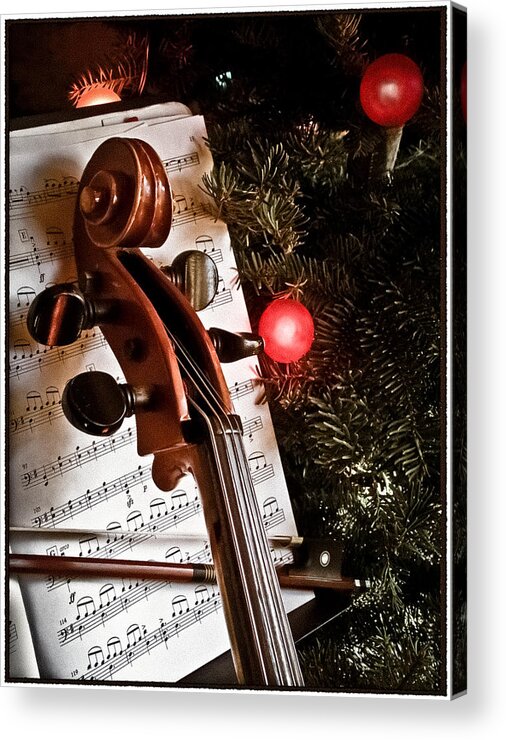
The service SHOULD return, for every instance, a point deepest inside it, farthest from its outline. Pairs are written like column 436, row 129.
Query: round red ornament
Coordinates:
column 287, row 329
column 391, row 90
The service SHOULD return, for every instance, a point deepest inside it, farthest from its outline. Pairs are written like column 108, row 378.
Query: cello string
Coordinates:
column 245, row 479
column 238, row 452
column 263, row 574
column 200, row 379
column 192, row 366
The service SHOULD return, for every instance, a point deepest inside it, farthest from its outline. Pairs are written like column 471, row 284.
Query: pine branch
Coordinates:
column 177, row 50
column 373, row 649
column 276, row 272
column 341, row 30
column 125, row 72
column 259, row 198
column 260, row 35
column 357, row 419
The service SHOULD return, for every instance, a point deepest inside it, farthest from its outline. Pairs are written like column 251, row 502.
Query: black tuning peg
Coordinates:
column 60, row 313
column 95, row 403
column 195, row 274
column 231, row 347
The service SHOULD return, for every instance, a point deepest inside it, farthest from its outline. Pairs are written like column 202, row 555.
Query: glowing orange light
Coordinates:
column 97, row 96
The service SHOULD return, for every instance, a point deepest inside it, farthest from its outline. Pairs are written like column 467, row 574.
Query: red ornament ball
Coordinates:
column 391, row 90
column 287, row 328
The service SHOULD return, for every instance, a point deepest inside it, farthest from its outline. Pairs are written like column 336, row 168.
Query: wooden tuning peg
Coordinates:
column 231, row 347
column 59, row 314
column 195, row 274
column 95, row 403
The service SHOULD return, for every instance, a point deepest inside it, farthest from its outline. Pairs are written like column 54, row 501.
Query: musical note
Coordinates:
column 158, row 508
column 36, row 418
column 107, row 595
column 181, row 162
column 33, row 401
column 25, row 295
column 64, row 464
column 134, row 635
column 179, row 605
column 92, row 497
column 88, row 545
column 272, row 512
column 54, row 190
column 25, row 360
column 207, row 245
column 85, row 607
column 270, row 506
column 150, row 640
column 113, row 527
column 55, row 237
column 122, row 545
column 259, row 469
column 18, row 196
column 114, row 648
column 281, row 557
column 95, row 657
column 22, row 349
column 179, row 204
column 240, row 389
column 185, row 212
column 179, row 499
column 18, row 313
column 174, row 555
column 111, row 606
column 52, row 396
column 251, row 426
column 201, row 594
column 134, row 521
column 222, row 297
column 38, row 256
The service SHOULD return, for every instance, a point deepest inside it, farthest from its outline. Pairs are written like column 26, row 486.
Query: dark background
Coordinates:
column 187, row 54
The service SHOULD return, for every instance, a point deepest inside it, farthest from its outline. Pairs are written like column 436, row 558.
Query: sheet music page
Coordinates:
column 22, row 659
column 62, row 479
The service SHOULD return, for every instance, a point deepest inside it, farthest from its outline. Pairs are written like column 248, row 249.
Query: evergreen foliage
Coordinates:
column 358, row 419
